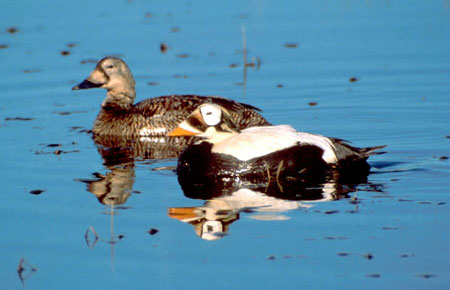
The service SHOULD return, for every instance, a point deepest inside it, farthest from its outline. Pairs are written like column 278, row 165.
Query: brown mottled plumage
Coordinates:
column 151, row 117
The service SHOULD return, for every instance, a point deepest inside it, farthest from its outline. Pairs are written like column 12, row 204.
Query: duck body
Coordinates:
column 119, row 116
column 158, row 116
column 268, row 152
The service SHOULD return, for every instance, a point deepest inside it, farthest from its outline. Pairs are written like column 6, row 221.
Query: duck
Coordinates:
column 270, row 152
column 119, row 116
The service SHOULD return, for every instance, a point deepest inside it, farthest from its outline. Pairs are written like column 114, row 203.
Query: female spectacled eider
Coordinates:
column 152, row 117
column 270, row 151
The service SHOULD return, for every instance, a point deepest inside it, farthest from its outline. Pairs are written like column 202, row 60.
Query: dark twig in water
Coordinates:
column 87, row 235
column 25, row 270
column 254, row 63
column 244, row 52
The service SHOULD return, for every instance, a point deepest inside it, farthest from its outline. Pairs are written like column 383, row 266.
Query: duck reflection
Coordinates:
column 119, row 156
column 225, row 200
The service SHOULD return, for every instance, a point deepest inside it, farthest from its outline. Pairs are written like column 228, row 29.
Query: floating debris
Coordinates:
column 374, row 275
column 443, row 158
column 54, row 145
column 233, row 65
column 19, row 119
column 368, row 256
column 65, row 113
column 175, row 29
column 254, row 63
column 330, row 211
column 343, row 254
column 389, row 228
column 3, row 46
column 407, row 255
column 85, row 61
column 28, row 71
column 335, row 238
column 280, row 86
column 25, row 270
column 425, row 275
column 353, row 79
column 71, row 45
column 153, row 83
column 312, row 104
column 12, row 30
column 65, row 52
column 180, row 76
column 163, row 47
column 56, row 152
column 271, row 257
column 148, row 15
column 153, row 231
column 182, row 55
column 291, row 45
column 36, row 191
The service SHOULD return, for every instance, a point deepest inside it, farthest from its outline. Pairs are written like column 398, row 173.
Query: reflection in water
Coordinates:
column 119, row 155
column 91, row 237
column 226, row 199
column 114, row 187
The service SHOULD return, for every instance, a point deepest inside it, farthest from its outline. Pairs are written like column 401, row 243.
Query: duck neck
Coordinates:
column 122, row 99
column 220, row 136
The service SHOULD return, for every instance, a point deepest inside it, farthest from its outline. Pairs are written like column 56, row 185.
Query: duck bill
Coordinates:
column 182, row 132
column 182, row 213
column 96, row 79
column 86, row 84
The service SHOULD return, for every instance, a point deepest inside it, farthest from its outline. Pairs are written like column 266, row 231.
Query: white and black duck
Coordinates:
column 119, row 116
column 273, row 152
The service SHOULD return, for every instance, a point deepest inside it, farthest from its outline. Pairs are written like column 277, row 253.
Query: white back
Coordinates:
column 259, row 141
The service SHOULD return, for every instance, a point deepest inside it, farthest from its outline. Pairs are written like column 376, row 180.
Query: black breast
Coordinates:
column 199, row 167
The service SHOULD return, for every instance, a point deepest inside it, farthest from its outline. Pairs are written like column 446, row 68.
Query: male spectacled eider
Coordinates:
column 152, row 117
column 270, row 151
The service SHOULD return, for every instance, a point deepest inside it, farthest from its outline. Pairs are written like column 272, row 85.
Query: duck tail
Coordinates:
column 367, row 151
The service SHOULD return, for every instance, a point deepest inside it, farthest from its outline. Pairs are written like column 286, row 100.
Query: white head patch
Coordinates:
column 211, row 114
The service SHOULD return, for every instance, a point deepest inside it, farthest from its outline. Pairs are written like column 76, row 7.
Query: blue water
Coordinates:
column 397, row 236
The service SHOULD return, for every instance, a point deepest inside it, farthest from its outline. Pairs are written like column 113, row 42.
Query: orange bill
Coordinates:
column 182, row 213
column 181, row 132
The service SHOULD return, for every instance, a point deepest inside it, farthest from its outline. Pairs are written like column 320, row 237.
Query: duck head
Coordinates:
column 114, row 75
column 208, row 120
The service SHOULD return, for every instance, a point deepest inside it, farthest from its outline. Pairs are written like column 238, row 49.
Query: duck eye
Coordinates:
column 109, row 66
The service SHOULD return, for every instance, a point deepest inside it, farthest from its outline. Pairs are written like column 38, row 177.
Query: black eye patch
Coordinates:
column 194, row 122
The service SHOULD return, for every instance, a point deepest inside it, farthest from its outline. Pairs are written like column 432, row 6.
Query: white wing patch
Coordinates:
column 152, row 131
column 259, row 141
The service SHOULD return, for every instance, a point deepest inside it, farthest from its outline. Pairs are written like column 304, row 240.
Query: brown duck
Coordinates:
column 119, row 116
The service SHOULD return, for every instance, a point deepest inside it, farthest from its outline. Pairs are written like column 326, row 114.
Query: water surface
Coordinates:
column 371, row 72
